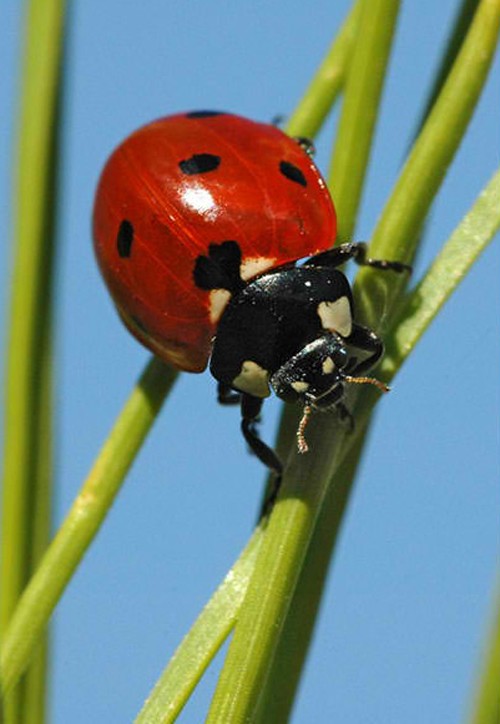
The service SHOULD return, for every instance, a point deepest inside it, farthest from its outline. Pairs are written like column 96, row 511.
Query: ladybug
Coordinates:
column 200, row 222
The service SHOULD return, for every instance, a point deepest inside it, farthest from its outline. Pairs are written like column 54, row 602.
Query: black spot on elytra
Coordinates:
column 199, row 163
column 220, row 269
column 204, row 114
column 124, row 239
column 293, row 173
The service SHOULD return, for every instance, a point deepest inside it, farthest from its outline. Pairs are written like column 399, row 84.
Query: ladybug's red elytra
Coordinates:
column 200, row 220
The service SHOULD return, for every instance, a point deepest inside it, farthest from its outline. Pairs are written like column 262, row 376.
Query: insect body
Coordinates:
column 199, row 222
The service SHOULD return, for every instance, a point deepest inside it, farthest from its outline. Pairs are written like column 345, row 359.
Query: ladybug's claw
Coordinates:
column 226, row 395
column 356, row 250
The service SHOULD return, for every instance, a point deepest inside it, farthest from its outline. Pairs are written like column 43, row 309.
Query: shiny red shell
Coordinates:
column 155, row 213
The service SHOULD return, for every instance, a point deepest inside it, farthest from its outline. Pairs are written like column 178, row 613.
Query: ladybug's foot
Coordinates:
column 360, row 258
column 272, row 491
column 356, row 250
column 259, row 448
column 226, row 395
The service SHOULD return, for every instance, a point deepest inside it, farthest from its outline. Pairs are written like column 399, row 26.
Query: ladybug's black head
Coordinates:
column 317, row 373
column 314, row 374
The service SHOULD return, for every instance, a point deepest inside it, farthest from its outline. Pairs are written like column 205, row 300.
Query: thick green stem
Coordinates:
column 305, row 485
column 279, row 695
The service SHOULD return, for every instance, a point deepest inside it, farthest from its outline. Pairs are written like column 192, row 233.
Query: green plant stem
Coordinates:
column 305, row 485
column 204, row 639
column 487, row 710
column 256, row 636
column 28, row 289
column 299, row 624
column 459, row 30
column 83, row 521
column 327, row 82
column 34, row 685
column 360, row 108
column 398, row 228
column 26, row 510
column 279, row 694
column 451, row 265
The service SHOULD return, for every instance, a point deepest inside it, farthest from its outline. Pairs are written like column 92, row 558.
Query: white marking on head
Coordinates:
column 253, row 266
column 336, row 316
column 253, row 379
column 328, row 366
column 218, row 302
column 300, row 386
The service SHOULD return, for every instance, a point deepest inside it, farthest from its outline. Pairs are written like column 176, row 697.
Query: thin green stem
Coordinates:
column 458, row 32
column 360, row 108
column 487, row 710
column 204, row 639
column 83, row 521
column 35, row 681
column 28, row 472
column 397, row 230
column 327, row 82
column 451, row 265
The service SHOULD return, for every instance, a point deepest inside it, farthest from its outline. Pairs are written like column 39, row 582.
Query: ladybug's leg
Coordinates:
column 271, row 493
column 250, row 409
column 355, row 250
column 366, row 340
column 226, row 395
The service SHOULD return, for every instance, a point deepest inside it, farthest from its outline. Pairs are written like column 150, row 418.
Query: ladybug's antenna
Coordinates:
column 367, row 381
column 301, row 440
column 302, row 445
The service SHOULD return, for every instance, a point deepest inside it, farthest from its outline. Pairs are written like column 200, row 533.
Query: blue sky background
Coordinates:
column 410, row 596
